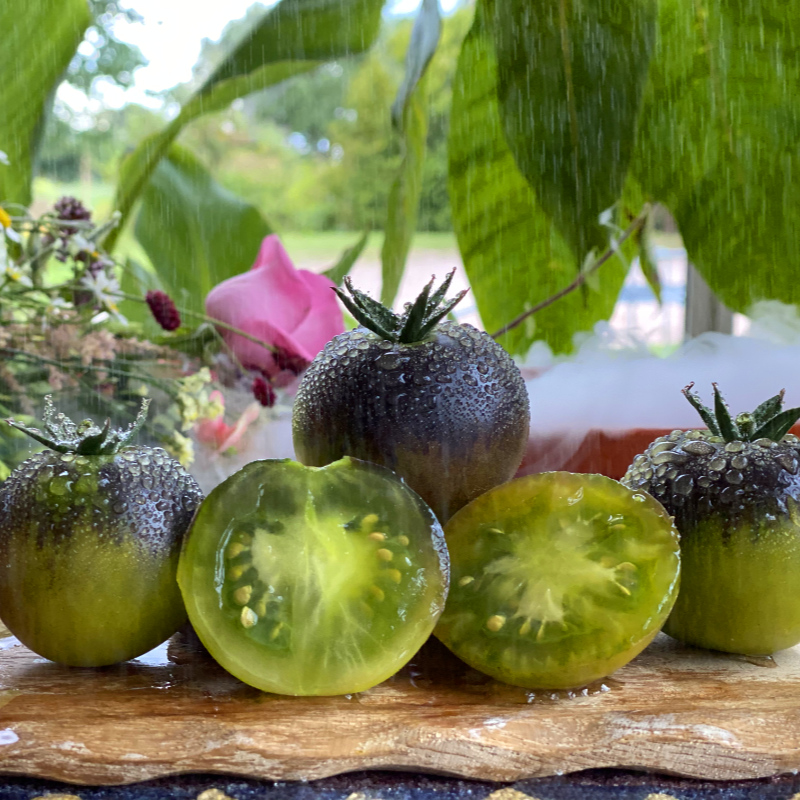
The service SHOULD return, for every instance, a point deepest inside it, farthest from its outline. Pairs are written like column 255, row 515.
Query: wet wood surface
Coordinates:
column 674, row 709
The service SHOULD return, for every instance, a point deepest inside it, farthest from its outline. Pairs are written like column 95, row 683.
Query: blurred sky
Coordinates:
column 171, row 35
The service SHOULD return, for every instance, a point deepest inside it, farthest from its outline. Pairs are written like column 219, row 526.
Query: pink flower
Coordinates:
column 292, row 310
column 217, row 434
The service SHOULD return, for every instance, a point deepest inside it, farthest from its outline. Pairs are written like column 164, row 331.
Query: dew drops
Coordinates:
column 727, row 495
column 733, row 476
column 717, row 464
column 683, row 484
column 739, row 462
column 787, row 462
column 734, row 447
column 699, row 448
column 661, row 447
column 670, row 457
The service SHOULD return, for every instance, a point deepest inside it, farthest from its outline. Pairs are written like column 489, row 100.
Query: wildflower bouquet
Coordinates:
column 61, row 329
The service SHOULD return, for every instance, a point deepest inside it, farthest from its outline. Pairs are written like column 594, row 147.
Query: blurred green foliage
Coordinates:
column 339, row 181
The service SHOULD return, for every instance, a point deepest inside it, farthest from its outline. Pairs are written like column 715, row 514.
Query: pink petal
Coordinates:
column 249, row 415
column 287, row 308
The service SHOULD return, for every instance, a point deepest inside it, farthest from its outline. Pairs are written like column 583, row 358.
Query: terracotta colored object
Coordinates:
column 673, row 709
column 604, row 451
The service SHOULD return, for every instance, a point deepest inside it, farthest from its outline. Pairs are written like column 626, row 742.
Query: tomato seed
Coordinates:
column 495, row 622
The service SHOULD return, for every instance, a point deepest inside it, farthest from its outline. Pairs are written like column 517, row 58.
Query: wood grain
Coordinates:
column 674, row 709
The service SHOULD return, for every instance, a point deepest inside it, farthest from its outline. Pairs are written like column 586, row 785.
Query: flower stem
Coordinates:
column 637, row 223
column 205, row 318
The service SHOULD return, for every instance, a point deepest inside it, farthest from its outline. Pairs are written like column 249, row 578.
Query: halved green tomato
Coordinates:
column 313, row 581
column 558, row 579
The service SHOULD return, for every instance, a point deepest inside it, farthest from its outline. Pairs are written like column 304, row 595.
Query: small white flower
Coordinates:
column 4, row 159
column 56, row 304
column 105, row 289
column 79, row 244
column 16, row 276
column 5, row 226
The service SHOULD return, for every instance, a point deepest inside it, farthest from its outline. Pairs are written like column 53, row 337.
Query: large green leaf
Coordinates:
column 410, row 118
column 403, row 212
column 303, row 30
column 39, row 38
column 424, row 40
column 719, row 140
column 195, row 232
column 293, row 37
column 513, row 252
column 138, row 166
column 570, row 80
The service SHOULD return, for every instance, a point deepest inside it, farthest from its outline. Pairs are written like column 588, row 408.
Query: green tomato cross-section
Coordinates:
column 316, row 581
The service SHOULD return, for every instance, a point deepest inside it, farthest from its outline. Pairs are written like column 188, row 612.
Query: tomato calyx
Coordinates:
column 86, row 438
column 768, row 421
column 414, row 324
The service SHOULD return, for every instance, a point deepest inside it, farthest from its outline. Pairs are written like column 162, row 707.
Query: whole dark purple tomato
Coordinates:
column 734, row 491
column 90, row 536
column 441, row 404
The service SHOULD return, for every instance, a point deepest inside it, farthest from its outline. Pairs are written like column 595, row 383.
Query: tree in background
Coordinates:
column 319, row 152
column 101, row 55
column 79, row 142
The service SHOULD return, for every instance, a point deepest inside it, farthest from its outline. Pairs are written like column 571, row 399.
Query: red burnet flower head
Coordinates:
column 263, row 392
column 292, row 310
column 164, row 311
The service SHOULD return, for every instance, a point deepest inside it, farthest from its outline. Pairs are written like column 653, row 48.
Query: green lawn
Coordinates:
column 304, row 246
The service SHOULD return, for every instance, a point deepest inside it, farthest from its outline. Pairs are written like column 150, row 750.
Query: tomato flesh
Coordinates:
column 558, row 579
column 313, row 581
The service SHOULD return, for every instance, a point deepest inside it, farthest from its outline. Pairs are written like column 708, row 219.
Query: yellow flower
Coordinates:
column 193, row 384
column 16, row 276
column 182, row 448
column 6, row 227
column 215, row 407
column 193, row 399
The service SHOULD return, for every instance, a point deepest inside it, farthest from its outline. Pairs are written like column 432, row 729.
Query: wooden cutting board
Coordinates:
column 674, row 709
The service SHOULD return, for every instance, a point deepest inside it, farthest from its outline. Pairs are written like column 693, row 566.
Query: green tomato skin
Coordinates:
column 89, row 551
column 741, row 586
column 737, row 508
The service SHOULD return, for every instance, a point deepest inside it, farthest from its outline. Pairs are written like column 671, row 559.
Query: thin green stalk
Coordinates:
column 197, row 315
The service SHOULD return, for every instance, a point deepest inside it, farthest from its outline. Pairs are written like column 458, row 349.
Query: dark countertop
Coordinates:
column 589, row 785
